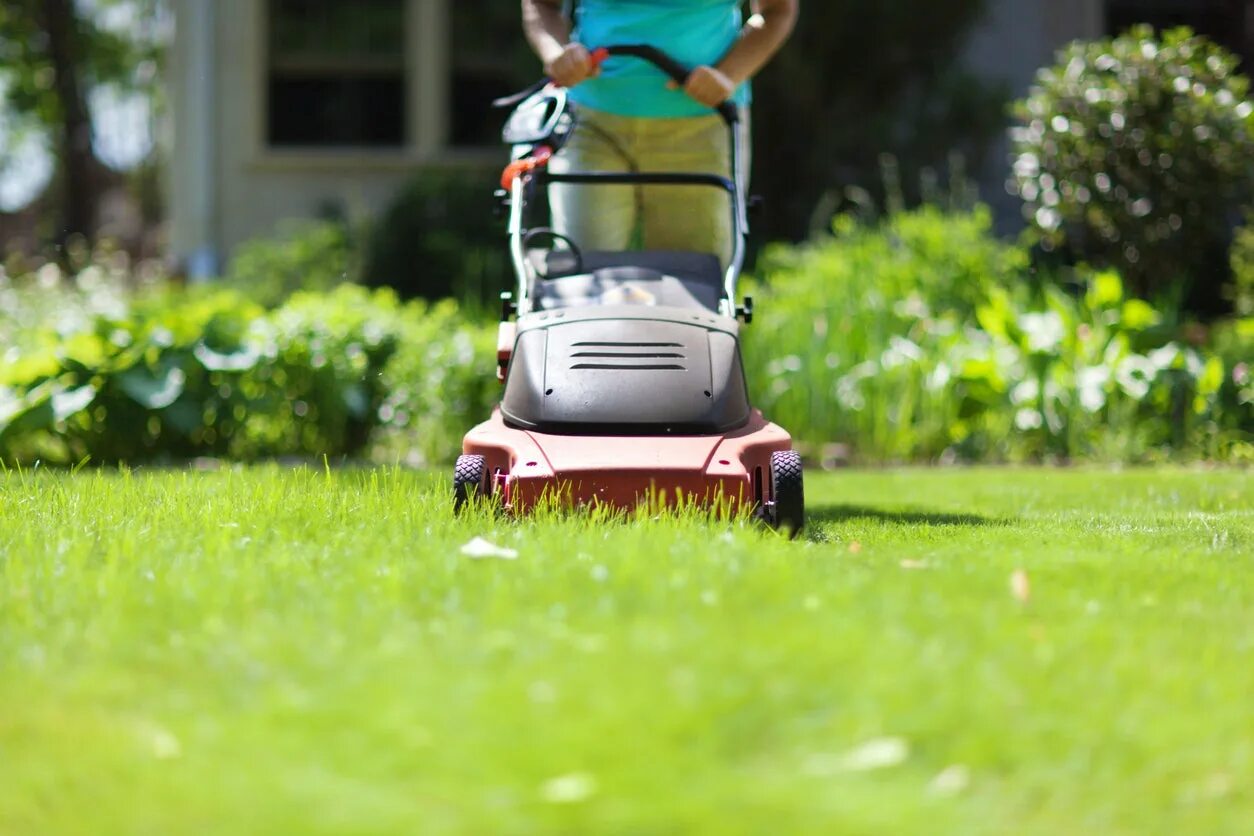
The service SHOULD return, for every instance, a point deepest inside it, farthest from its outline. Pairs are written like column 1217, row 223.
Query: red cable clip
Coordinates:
column 525, row 165
column 542, row 153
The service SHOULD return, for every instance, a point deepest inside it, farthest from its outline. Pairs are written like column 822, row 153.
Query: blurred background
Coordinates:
column 993, row 229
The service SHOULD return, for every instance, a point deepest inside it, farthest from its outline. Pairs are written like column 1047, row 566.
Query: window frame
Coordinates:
column 426, row 70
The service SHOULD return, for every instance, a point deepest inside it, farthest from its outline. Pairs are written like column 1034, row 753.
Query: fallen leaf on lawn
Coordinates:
column 855, row 547
column 1212, row 787
column 1019, row 586
column 914, row 564
column 569, row 789
column 951, row 780
column 879, row 753
column 164, row 745
column 480, row 549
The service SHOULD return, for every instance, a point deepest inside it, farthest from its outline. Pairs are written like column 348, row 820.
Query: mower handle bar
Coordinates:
column 676, row 71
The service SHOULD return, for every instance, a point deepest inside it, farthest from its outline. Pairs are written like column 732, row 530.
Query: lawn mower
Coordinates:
column 622, row 374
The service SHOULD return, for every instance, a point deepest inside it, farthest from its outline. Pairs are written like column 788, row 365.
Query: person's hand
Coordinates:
column 572, row 66
column 708, row 85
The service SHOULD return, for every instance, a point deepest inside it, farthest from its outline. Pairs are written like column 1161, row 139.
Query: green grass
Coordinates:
column 275, row 651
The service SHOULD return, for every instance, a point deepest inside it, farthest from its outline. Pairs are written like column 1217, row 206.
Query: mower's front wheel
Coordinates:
column 470, row 479
column 788, row 498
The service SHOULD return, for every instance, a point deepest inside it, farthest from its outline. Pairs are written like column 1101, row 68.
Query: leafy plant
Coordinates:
column 441, row 237
column 308, row 255
column 440, row 382
column 171, row 374
column 1134, row 152
column 915, row 338
column 921, row 338
column 1243, row 269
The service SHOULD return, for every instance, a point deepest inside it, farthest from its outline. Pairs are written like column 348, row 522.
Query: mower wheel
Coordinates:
column 470, row 478
column 788, row 511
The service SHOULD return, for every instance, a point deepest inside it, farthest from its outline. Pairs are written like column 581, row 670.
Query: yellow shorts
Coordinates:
column 693, row 218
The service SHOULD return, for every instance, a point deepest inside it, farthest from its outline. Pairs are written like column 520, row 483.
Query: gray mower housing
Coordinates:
column 630, row 344
column 626, row 370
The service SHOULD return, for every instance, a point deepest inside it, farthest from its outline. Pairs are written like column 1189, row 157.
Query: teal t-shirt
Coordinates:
column 693, row 32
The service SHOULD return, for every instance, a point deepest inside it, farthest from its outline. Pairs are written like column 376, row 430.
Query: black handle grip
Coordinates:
column 677, row 72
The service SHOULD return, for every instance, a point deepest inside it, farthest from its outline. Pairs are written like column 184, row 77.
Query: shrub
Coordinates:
column 308, row 255
column 171, row 374
column 1243, row 269
column 833, row 309
column 317, row 373
column 441, row 381
column 1233, row 341
column 128, row 384
column 1090, row 378
column 1134, row 153
column 915, row 338
column 441, row 237
column 919, row 338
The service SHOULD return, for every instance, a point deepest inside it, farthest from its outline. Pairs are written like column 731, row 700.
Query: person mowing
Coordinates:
column 632, row 118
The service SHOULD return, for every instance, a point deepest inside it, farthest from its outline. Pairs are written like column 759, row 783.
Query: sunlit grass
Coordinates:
column 276, row 651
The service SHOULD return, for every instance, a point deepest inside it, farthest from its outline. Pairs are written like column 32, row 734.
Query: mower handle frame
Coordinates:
column 521, row 186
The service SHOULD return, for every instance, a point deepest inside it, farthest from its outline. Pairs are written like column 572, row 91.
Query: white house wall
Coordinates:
column 252, row 188
column 192, row 181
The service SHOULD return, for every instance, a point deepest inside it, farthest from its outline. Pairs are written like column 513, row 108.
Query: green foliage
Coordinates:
column 104, row 55
column 441, row 382
column 918, row 339
column 309, row 256
column 171, row 374
column 1243, row 269
column 54, row 54
column 1134, row 152
column 1233, row 341
column 440, row 237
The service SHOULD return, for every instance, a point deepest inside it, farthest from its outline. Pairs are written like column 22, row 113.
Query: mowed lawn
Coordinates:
column 949, row 651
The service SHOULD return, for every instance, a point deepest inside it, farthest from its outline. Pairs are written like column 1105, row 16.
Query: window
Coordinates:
column 336, row 73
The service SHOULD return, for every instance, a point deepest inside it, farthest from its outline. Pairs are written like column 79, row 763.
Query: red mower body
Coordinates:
column 727, row 470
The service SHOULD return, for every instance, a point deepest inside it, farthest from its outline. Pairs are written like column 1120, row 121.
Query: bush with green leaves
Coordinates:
column 1234, row 342
column 1134, row 153
column 304, row 255
column 833, row 352
column 1243, row 269
column 919, row 338
column 441, row 382
column 441, row 237
column 170, row 374
column 915, row 338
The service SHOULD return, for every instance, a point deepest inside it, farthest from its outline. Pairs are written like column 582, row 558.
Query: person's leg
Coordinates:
column 595, row 217
column 694, row 218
